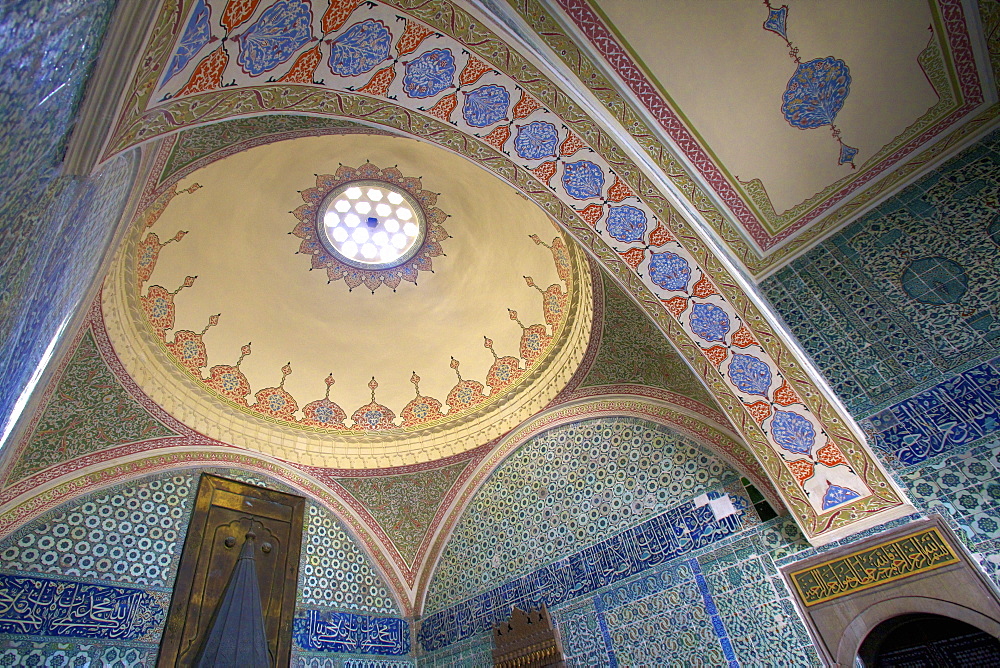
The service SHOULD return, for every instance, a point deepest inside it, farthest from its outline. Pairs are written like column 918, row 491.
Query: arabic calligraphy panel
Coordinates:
column 900, row 558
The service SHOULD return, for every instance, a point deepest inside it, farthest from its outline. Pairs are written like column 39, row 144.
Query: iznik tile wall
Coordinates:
column 906, row 296
column 675, row 587
column 121, row 546
column 644, row 572
column 55, row 228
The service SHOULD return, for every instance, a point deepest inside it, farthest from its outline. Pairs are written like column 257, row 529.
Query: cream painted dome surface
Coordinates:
column 306, row 330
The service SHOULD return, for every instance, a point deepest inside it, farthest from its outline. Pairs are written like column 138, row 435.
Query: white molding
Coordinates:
column 123, row 43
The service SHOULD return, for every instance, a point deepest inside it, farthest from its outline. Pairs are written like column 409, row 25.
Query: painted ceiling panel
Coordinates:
column 709, row 67
column 839, row 103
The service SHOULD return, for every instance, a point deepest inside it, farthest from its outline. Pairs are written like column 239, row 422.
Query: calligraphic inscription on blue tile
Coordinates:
column 960, row 410
column 673, row 534
column 328, row 631
column 44, row 607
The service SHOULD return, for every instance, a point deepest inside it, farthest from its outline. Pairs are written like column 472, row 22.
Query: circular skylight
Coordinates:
column 371, row 224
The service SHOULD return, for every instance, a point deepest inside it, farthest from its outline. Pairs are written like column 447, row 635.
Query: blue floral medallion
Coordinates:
column 429, row 74
column 712, row 324
column 283, row 28
column 793, row 432
column 486, row 105
column 836, row 495
column 816, row 92
column 669, row 270
column 776, row 21
column 536, row 140
column 583, row 179
column 749, row 374
column 196, row 35
column 360, row 49
column 626, row 223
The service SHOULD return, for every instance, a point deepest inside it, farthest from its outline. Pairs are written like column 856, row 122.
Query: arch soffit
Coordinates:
column 871, row 617
column 824, row 438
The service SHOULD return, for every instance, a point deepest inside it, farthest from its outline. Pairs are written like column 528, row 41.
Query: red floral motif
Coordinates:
column 830, row 455
column 158, row 303
column 303, row 70
column 236, row 12
column 716, row 355
column 443, row 108
column 759, row 410
column 208, row 74
column 802, row 470
column 275, row 401
column 373, row 416
column 785, row 395
column 545, row 171
column 634, row 257
column 660, row 236
column 553, row 302
column 189, row 348
column 743, row 338
column 703, row 288
column 421, row 409
column 591, row 214
column 570, row 145
column 412, row 36
column 337, row 14
column 465, row 394
column 619, row 191
column 505, row 370
column 560, row 253
column 323, row 412
column 473, row 71
column 498, row 137
column 379, row 83
column 149, row 251
column 676, row 305
column 525, row 106
column 229, row 381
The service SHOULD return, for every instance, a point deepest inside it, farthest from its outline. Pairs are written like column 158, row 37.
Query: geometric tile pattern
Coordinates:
column 947, row 416
column 963, row 488
column 562, row 490
column 677, row 532
column 29, row 653
column 906, row 294
column 404, row 505
column 48, row 47
column 633, row 351
column 88, row 411
column 335, row 573
column 131, row 533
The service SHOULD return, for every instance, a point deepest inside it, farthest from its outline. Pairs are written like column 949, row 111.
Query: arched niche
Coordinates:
column 930, row 638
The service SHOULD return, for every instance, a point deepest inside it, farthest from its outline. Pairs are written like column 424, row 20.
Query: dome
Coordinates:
column 229, row 303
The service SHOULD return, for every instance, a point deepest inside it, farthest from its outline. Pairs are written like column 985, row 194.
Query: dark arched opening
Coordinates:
column 921, row 639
